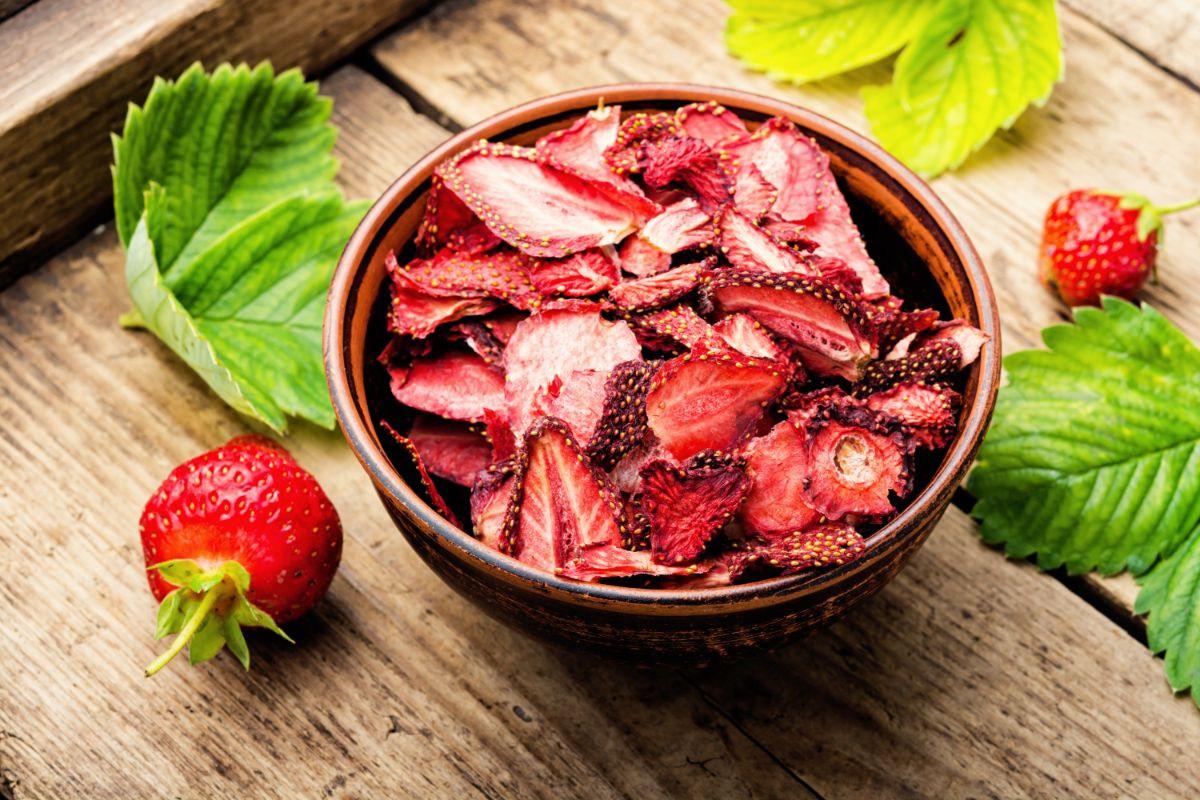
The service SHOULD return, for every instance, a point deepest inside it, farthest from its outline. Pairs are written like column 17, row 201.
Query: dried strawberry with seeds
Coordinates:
column 622, row 423
column 970, row 340
column 578, row 401
column 431, row 490
column 827, row 324
column 778, row 466
column 746, row 335
column 608, row 561
column 542, row 208
column 498, row 433
column 750, row 248
column 682, row 160
column 856, row 459
column 683, row 225
column 490, row 500
column 715, row 459
column 455, row 384
column 929, row 362
column 753, row 195
column 829, row 545
column 581, row 146
column 414, row 312
column 448, row 222
column 710, row 399
column 502, row 273
column 577, row 275
column 453, row 450
column 661, row 289
column 479, row 337
column 667, row 327
column 891, row 324
column 687, row 507
column 710, row 122
column 624, row 155
column 928, row 412
column 639, row 257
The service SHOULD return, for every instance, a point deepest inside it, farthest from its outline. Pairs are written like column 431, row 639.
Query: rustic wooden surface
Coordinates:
column 969, row 676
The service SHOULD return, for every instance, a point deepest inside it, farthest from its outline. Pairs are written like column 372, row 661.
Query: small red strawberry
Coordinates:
column 1096, row 242
column 239, row 536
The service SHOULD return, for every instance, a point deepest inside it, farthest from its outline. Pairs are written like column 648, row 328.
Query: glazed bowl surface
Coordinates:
column 922, row 250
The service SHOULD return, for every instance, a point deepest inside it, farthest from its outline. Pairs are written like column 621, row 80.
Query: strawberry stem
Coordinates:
column 1162, row 210
column 189, row 629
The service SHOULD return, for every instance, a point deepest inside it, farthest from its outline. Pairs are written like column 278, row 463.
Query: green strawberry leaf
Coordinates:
column 971, row 70
column 806, row 40
column 1093, row 457
column 1171, row 595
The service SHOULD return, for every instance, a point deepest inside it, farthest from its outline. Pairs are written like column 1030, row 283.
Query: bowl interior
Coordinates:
column 917, row 243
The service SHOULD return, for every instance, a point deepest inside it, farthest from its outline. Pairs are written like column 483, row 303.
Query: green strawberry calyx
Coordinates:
column 207, row 612
column 1149, row 215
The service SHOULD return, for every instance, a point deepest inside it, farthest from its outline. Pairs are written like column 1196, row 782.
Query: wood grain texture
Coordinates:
column 516, row 53
column 68, row 68
column 1166, row 32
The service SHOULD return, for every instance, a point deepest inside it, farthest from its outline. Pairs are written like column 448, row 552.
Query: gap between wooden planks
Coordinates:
column 962, row 678
column 1115, row 121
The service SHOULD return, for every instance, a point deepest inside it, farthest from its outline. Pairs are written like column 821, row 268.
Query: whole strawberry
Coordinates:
column 1096, row 243
column 239, row 536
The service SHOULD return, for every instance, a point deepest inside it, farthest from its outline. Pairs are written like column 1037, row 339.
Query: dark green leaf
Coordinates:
column 1171, row 595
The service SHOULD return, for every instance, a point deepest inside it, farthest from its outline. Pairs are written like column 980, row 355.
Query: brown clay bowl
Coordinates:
column 906, row 227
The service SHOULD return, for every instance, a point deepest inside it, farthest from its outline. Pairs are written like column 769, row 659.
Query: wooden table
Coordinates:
column 969, row 676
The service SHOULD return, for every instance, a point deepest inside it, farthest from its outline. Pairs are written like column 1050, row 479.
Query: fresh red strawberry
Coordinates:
column 622, row 424
column 778, row 468
column 430, row 488
column 658, row 290
column 577, row 275
column 709, row 122
column 240, row 536
column 827, row 324
column 927, row 411
column 1096, row 243
column 682, row 225
column 639, row 257
column 710, row 399
column 856, row 459
column 686, row 507
column 450, row 449
column 456, row 384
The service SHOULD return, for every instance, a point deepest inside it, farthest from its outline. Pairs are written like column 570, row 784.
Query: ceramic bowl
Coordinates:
column 924, row 252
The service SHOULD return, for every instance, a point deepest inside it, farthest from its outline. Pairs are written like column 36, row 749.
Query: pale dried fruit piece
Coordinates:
column 624, row 476
column 682, row 160
column 659, row 290
column 744, row 334
column 431, row 490
column 666, row 327
column 608, row 561
column 544, row 209
column 448, row 222
column 750, row 248
column 578, row 400
column 624, row 155
column 414, row 312
column 821, row 319
column 709, row 399
column 639, row 257
column 622, row 423
column 856, row 459
column 778, row 467
column 453, row 450
column 455, row 384
column 560, row 504
column 970, row 340
column 829, row 545
column 681, row 226
column 490, row 500
column 557, row 343
column 753, row 194
column 710, row 122
column 686, row 508
column 928, row 412
column 581, row 146
column 577, row 275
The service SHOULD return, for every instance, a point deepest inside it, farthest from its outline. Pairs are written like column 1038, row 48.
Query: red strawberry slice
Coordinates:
column 581, row 146
column 682, row 160
column 753, row 195
column 639, row 257
column 778, row 468
column 452, row 450
column 856, row 459
column 416, row 313
column 752, row 249
column 681, row 226
column 829, row 545
column 622, row 423
column 431, row 490
column 499, row 435
column 490, row 500
column 625, row 475
column 501, row 273
column 928, row 412
column 555, row 344
column 709, row 399
column 608, row 561
column 448, row 222
column 624, row 155
column 455, row 384
column 803, row 407
column 686, row 508
column 544, row 209
column 891, row 324
column 668, row 327
column 560, row 504
column 578, row 400
column 659, row 290
column 827, row 325
column 744, row 334
column 577, row 275
column 479, row 337
column 709, row 122
column 928, row 361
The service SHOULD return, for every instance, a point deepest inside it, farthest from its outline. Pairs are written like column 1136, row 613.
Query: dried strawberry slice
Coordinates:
column 855, row 459
column 554, row 344
column 752, row 249
column 501, row 273
column 687, row 507
column 503, row 323
column 455, row 384
column 490, row 498
column 659, row 290
column 622, row 423
column 577, row 275
column 828, row 325
column 928, row 412
column 710, row 122
column 829, row 545
column 414, row 312
column 452, row 450
column 479, row 337
column 715, row 459
column 676, row 160
column 431, row 490
column 804, row 407
column 778, row 467
column 891, row 324
column 753, row 194
column 581, row 146
column 560, row 504
column 639, row 257
column 448, row 222
column 607, row 561
column 681, row 226
column 677, row 325
column 624, row 155
column 970, row 340
column 709, row 399
column 499, row 435
column 744, row 334
column 578, row 401
column 929, row 362
column 542, row 208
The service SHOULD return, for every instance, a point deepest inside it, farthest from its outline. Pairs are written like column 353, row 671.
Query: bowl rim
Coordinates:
column 387, row 480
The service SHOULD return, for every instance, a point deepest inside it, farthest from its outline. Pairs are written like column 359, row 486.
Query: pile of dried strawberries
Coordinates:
column 656, row 346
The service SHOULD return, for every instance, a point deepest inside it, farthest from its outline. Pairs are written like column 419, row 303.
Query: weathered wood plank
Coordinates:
column 1167, row 32
column 397, row 687
column 69, row 67
column 475, row 58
